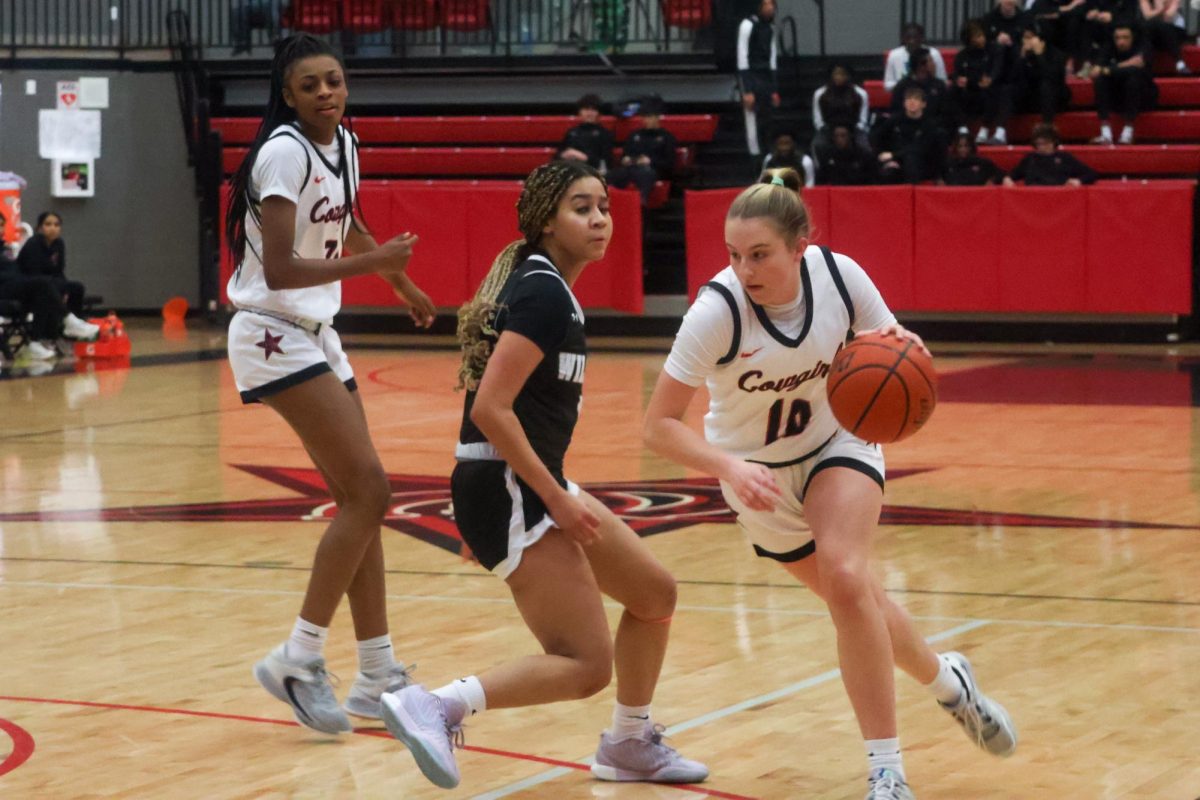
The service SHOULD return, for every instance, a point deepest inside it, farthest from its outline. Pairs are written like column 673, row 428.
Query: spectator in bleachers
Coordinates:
column 966, row 167
column 1004, row 25
column 1123, row 82
column 1049, row 166
column 933, row 88
column 784, row 153
column 39, row 296
column 589, row 140
column 911, row 146
column 1060, row 23
column 649, row 154
column 840, row 102
column 758, row 74
column 45, row 255
column 846, row 163
column 1166, row 28
column 1039, row 83
column 1100, row 20
column 978, row 88
column 912, row 39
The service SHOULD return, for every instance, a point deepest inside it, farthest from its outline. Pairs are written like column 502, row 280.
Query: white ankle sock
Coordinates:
column 628, row 722
column 946, row 687
column 463, row 698
column 885, row 754
column 375, row 656
column 307, row 640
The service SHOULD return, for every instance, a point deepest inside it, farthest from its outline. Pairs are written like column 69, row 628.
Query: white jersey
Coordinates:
column 288, row 165
column 766, row 367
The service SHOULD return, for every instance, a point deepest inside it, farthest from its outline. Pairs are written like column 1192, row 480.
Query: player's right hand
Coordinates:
column 574, row 518
column 754, row 484
column 396, row 252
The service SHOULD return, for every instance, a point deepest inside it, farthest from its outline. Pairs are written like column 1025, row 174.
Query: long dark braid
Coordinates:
column 544, row 189
column 287, row 52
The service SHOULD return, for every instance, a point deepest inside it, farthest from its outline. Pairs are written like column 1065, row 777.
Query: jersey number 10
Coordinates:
column 797, row 419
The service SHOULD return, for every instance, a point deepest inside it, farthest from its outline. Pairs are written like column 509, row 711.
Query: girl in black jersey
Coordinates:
column 556, row 546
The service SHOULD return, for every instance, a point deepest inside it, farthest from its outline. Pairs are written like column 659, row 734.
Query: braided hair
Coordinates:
column 287, row 52
column 537, row 205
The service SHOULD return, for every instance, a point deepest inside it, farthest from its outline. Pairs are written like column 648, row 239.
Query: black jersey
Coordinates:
column 536, row 302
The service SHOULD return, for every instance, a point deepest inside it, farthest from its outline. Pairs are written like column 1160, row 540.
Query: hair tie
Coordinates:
column 777, row 181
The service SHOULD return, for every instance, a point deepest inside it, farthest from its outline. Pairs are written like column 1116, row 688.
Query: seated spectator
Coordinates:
column 589, row 140
column 1166, row 29
column 1039, row 83
column 1123, row 80
column 978, row 90
column 846, row 163
column 912, row 39
column 45, row 255
column 966, row 167
column 1101, row 18
column 840, row 102
column 649, row 152
column 933, row 88
column 1049, row 166
column 1003, row 26
column 1060, row 23
column 911, row 146
column 785, row 154
column 40, row 297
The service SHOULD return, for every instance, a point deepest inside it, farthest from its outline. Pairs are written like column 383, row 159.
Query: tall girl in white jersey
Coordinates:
column 292, row 215
column 807, row 493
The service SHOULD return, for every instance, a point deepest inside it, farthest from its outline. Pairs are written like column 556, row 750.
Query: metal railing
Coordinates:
column 384, row 27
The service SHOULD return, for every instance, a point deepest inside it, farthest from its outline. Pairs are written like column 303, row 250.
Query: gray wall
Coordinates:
column 135, row 242
column 852, row 27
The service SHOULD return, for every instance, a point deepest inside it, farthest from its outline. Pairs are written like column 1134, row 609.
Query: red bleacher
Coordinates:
column 1163, row 65
column 1172, row 93
column 1135, row 159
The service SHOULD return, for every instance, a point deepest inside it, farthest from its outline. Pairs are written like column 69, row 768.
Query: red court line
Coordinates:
column 20, row 736
column 22, row 746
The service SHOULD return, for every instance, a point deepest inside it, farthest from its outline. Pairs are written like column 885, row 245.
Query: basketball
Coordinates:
column 882, row 389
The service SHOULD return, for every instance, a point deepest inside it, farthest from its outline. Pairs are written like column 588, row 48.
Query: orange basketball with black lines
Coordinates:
column 882, row 388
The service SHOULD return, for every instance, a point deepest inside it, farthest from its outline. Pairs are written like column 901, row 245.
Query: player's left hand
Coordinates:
column 900, row 332
column 420, row 307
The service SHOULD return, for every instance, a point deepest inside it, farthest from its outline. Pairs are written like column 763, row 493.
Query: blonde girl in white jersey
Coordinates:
column 291, row 214
column 806, row 492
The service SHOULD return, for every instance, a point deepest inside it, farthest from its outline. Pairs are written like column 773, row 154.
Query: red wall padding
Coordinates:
column 1109, row 248
column 462, row 228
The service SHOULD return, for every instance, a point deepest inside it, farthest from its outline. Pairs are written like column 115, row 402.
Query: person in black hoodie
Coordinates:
column 845, row 163
column 924, row 77
column 649, row 152
column 784, row 153
column 1123, row 81
column 1060, row 23
column 1100, row 21
column 966, row 167
column 911, row 146
column 589, row 140
column 839, row 102
column 1040, row 82
column 45, row 254
column 1049, row 166
column 1003, row 25
column 978, row 89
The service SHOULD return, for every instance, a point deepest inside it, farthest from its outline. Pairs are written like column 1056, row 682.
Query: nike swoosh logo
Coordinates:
column 752, row 352
column 319, row 179
column 287, row 687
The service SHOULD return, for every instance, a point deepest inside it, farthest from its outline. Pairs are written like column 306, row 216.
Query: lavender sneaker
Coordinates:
column 416, row 717
column 644, row 758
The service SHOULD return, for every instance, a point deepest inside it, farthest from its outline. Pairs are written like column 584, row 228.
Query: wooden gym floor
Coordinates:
column 155, row 536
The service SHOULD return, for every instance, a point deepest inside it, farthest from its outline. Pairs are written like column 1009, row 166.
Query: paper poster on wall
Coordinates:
column 93, row 92
column 70, row 135
column 73, row 178
column 67, row 95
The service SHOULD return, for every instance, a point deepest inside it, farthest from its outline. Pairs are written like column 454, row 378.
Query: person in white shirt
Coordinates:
column 293, row 213
column 912, row 39
column 761, row 337
column 758, row 73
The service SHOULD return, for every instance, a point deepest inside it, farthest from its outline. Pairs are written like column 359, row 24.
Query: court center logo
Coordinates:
column 421, row 507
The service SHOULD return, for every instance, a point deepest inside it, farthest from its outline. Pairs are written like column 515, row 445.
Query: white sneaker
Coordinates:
column 982, row 136
column 644, row 758
column 38, row 352
column 885, row 784
column 985, row 721
column 999, row 136
column 303, row 685
column 1127, row 135
column 363, row 700
column 418, row 719
column 75, row 328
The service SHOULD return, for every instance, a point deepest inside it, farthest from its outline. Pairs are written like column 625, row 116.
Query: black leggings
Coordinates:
column 40, row 297
column 73, row 292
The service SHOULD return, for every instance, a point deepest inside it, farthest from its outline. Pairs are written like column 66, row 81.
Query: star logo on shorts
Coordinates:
column 270, row 344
